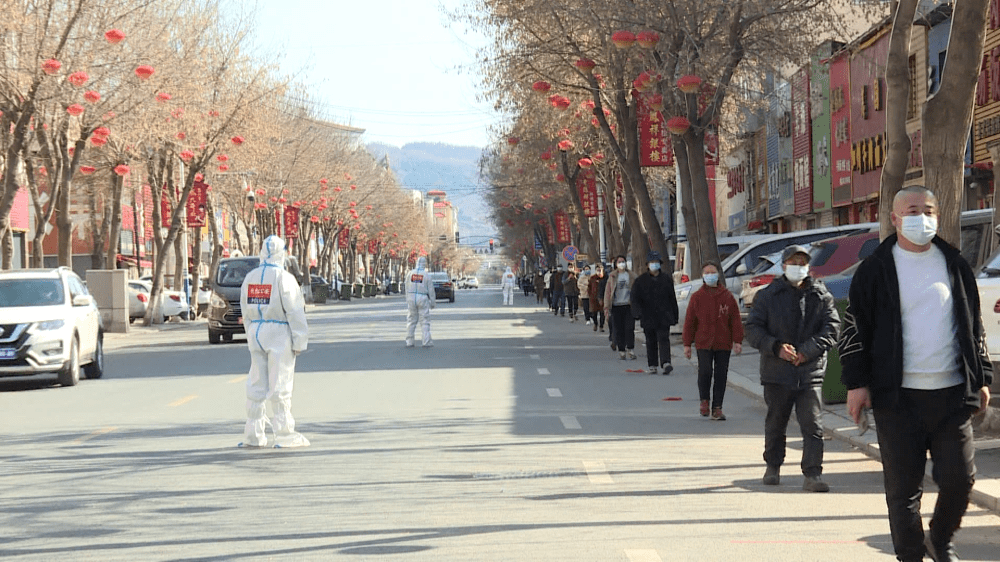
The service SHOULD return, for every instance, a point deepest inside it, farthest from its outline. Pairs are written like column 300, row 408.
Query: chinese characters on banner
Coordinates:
column 343, row 238
column 196, row 204
column 586, row 184
column 165, row 210
column 654, row 141
column 562, row 227
column 278, row 221
column 549, row 234
column 291, row 222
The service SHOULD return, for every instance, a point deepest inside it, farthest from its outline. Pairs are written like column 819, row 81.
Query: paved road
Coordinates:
column 517, row 437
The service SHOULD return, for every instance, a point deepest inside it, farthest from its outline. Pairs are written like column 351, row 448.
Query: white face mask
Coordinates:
column 621, row 265
column 796, row 273
column 711, row 279
column 655, row 266
column 919, row 229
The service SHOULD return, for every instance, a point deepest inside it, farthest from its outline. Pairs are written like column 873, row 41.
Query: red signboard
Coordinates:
column 562, row 227
column 586, row 184
column 278, row 220
column 549, row 235
column 343, row 238
column 19, row 213
column 801, row 143
column 128, row 217
column 291, row 222
column 840, row 126
column 197, row 204
column 165, row 210
column 654, row 140
column 868, row 146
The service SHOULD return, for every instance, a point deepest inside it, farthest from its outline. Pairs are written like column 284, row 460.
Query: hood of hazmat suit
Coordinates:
column 418, row 282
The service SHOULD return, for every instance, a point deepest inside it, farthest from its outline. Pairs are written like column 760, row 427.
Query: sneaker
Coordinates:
column 631, row 355
column 667, row 368
column 248, row 446
column 431, row 344
column 703, row 408
column 409, row 344
column 595, row 328
column 589, row 322
column 945, row 554
column 815, row 484
column 621, row 354
column 651, row 369
column 602, row 328
column 772, row 476
column 717, row 414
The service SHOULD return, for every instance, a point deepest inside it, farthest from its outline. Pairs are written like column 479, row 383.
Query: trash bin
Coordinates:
column 345, row 292
column 358, row 290
column 394, row 288
column 320, row 293
column 370, row 289
column 834, row 391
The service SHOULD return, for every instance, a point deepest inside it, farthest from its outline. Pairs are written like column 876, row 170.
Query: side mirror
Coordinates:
column 83, row 300
column 741, row 269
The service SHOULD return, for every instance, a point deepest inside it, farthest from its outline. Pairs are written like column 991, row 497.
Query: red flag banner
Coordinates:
column 562, row 227
column 549, row 234
column 291, row 222
column 165, row 209
column 586, row 183
column 343, row 238
column 197, row 204
column 654, row 142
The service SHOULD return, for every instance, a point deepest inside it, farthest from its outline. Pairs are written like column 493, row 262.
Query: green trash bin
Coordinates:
column 345, row 292
column 320, row 293
column 358, row 290
column 370, row 289
column 834, row 391
column 394, row 288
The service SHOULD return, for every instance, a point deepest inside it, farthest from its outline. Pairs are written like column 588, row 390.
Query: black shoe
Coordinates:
column 772, row 476
column 942, row 554
column 667, row 368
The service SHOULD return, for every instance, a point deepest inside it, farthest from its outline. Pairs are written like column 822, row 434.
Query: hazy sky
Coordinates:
column 396, row 68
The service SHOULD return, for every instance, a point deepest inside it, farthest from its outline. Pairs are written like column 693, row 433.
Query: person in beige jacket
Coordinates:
column 583, row 285
column 618, row 307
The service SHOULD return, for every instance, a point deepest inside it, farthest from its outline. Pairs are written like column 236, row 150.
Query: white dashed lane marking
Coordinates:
column 543, row 371
column 569, row 422
column 535, row 357
column 644, row 555
column 597, row 473
column 554, row 392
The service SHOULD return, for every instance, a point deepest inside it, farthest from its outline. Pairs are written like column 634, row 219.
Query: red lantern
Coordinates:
column 323, row 181
column 114, row 36
column 121, row 170
column 51, row 66
column 353, row 187
column 586, row 65
column 623, row 39
column 689, row 84
column 199, row 177
column 354, row 204
column 144, row 72
column 186, row 155
column 78, row 78
column 314, row 219
column 98, row 141
column 181, row 135
column 513, row 141
column 338, row 189
column 92, row 96
column 163, row 97
column 656, row 102
column 224, row 158
column 237, row 140
column 261, row 193
column 585, row 163
column 281, row 200
column 647, row 39
column 541, row 87
column 368, row 207
column 87, row 170
column 102, row 132
column 560, row 177
column 274, row 200
column 223, row 167
column 599, row 157
column 547, row 155
column 566, row 145
column 678, row 125
column 75, row 110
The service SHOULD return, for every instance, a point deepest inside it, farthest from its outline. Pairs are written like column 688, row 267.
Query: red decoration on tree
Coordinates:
column 224, row 158
column 121, row 170
column 92, row 96
column 237, row 140
column 647, row 39
column 547, row 155
column 75, row 110
column 560, row 177
column 98, row 141
column 586, row 65
column 623, row 39
column 282, row 200
column 656, row 102
column 678, row 125
column 199, row 177
column 689, row 84
column 101, row 132
column 51, row 66
column 186, row 155
column 163, row 97
column 354, row 204
column 513, row 141
column 114, row 36
column 181, row 135
column 223, row 167
column 541, row 87
column 353, row 187
column 338, row 189
column 144, row 72
column 87, row 170
column 313, row 219
column 566, row 145
column 585, row 163
column 78, row 78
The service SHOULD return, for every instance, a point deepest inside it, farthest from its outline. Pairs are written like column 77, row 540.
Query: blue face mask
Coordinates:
column 711, row 279
column 655, row 266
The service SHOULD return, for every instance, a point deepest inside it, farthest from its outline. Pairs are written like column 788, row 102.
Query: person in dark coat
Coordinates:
column 654, row 304
column 914, row 350
column 556, row 288
column 595, row 292
column 793, row 323
column 539, row 287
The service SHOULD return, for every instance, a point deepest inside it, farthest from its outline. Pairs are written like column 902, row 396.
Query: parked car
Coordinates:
column 471, row 283
column 443, row 287
column 174, row 302
column 769, row 268
column 50, row 324
column 204, row 294
column 728, row 245
column 225, row 318
column 138, row 300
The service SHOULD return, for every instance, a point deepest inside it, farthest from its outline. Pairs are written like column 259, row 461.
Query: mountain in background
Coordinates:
column 453, row 169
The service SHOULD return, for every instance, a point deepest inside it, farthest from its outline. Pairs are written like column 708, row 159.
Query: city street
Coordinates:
column 519, row 436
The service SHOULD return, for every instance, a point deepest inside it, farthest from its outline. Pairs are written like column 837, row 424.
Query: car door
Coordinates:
column 86, row 319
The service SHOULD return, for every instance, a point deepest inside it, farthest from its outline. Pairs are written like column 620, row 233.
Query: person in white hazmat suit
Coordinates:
column 507, row 283
column 419, row 302
column 275, row 319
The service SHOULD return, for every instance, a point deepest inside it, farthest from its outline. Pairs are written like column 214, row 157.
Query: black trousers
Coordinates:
column 548, row 297
column 657, row 346
column 598, row 317
column 623, row 327
column 585, row 305
column 559, row 302
column 572, row 303
column 926, row 420
column 713, row 372
column 780, row 400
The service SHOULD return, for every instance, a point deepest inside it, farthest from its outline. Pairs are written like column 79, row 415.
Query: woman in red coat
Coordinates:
column 713, row 324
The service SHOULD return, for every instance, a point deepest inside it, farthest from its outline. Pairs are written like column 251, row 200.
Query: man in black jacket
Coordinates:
column 914, row 350
column 654, row 303
column 793, row 323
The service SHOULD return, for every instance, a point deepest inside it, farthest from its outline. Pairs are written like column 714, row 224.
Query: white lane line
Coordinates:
column 597, row 472
column 554, row 392
column 569, row 422
column 535, row 357
column 79, row 440
column 644, row 555
column 184, row 400
column 543, row 371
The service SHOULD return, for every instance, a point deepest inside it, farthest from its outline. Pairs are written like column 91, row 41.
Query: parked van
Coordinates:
column 728, row 245
column 225, row 318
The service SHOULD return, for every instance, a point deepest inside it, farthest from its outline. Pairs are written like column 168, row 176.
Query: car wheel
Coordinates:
column 95, row 368
column 227, row 337
column 214, row 337
column 70, row 375
column 185, row 315
column 131, row 320
column 452, row 299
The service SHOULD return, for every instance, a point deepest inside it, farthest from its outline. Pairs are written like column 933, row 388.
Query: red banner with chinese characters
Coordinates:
column 291, row 222
column 654, row 141
column 549, row 234
column 586, row 184
column 165, row 210
column 197, row 204
column 562, row 227
column 343, row 238
column 278, row 220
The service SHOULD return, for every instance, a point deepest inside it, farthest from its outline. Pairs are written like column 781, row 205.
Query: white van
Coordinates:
column 728, row 245
column 739, row 264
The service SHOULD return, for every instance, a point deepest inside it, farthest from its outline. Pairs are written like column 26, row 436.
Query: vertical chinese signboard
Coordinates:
column 165, row 209
column 819, row 113
column 868, row 146
column 291, row 222
column 654, row 141
column 840, row 129
column 343, row 238
column 802, row 185
column 549, row 234
column 197, row 204
column 562, row 227
column 586, row 184
column 986, row 119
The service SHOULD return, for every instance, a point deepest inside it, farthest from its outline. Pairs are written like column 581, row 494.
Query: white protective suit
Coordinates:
column 275, row 319
column 507, row 283
column 419, row 302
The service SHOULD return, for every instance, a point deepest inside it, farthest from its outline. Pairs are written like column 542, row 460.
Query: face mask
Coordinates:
column 620, row 265
column 586, row 272
column 919, row 229
column 796, row 273
column 655, row 266
column 711, row 279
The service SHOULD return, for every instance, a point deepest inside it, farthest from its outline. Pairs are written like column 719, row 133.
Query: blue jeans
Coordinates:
column 559, row 302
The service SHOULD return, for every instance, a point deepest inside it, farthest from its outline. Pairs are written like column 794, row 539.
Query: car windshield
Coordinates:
column 232, row 273
column 31, row 292
column 766, row 263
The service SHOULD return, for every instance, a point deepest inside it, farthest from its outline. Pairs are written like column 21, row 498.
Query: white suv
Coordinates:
column 49, row 323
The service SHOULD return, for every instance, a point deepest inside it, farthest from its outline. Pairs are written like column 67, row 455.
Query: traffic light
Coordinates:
column 491, row 245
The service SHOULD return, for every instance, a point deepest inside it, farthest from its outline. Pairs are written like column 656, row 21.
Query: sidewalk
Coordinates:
column 744, row 377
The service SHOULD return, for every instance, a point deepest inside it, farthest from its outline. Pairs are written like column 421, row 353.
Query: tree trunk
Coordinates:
column 7, row 236
column 948, row 115
column 897, row 80
column 115, row 228
column 687, row 208
column 694, row 143
column 98, row 226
